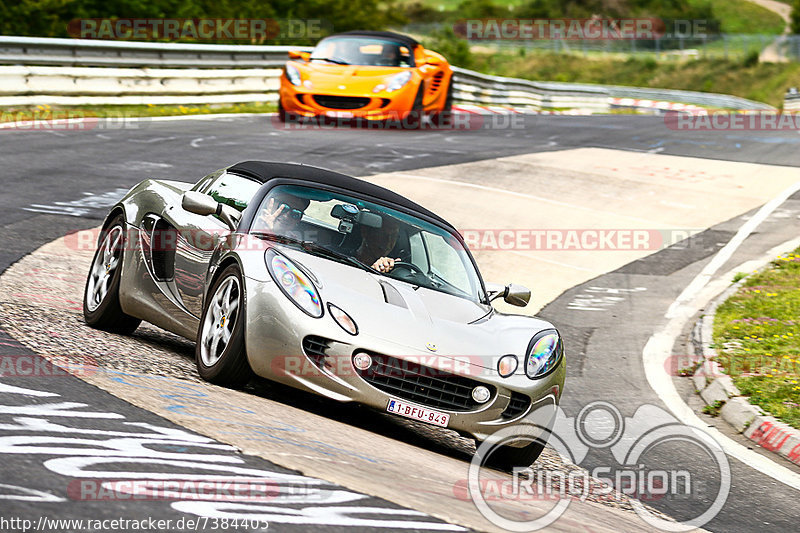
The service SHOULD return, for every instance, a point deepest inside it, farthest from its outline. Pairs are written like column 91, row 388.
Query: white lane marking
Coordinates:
column 659, row 347
column 518, row 194
column 727, row 251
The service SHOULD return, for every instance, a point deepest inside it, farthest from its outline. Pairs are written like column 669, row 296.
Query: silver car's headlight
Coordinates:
column 293, row 74
column 544, row 352
column 397, row 81
column 294, row 283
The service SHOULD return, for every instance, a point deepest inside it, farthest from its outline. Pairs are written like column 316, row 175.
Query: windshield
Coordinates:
column 364, row 234
column 363, row 51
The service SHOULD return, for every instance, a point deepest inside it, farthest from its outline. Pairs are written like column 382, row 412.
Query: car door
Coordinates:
column 197, row 236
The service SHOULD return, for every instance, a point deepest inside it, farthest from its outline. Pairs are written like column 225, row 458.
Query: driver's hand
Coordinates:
column 270, row 214
column 384, row 264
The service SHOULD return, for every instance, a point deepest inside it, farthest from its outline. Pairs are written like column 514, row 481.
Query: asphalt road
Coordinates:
column 57, row 181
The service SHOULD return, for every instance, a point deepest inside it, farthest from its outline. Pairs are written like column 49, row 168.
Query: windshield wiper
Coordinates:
column 330, row 60
column 317, row 249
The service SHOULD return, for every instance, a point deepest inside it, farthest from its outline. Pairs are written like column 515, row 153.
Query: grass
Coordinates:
column 735, row 16
column 764, row 82
column 757, row 332
column 46, row 112
column 742, row 16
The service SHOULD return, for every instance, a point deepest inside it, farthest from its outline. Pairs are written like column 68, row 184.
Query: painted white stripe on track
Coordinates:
column 693, row 298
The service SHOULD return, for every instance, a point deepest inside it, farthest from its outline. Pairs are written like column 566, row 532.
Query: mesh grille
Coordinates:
column 518, row 404
column 341, row 102
column 314, row 347
column 423, row 385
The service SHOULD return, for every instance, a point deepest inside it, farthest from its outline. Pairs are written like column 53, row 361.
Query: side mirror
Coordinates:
column 512, row 293
column 199, row 203
column 204, row 205
column 296, row 54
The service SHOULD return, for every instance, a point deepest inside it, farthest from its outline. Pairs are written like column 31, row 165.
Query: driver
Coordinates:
column 282, row 214
column 376, row 243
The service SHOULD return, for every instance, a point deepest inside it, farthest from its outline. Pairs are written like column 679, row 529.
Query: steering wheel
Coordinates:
column 412, row 269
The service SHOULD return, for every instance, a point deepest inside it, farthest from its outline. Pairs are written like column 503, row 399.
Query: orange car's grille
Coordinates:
column 341, row 102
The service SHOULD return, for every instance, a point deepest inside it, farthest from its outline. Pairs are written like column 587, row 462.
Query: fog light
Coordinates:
column 481, row 394
column 363, row 361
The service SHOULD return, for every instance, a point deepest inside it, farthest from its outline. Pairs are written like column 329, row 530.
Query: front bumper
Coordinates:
column 299, row 102
column 274, row 335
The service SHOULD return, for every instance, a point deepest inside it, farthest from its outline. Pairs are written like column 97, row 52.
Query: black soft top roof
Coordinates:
column 399, row 37
column 264, row 171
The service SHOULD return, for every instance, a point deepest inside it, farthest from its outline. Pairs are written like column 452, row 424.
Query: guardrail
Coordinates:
column 791, row 101
column 87, row 72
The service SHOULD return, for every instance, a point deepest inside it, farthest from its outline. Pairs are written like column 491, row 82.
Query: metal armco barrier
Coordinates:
column 88, row 72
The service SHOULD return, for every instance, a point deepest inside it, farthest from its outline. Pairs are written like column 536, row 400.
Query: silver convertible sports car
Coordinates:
column 329, row 284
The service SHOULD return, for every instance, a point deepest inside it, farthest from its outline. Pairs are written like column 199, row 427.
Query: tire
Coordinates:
column 223, row 322
column 443, row 119
column 101, row 305
column 506, row 458
column 414, row 119
column 281, row 111
column 448, row 101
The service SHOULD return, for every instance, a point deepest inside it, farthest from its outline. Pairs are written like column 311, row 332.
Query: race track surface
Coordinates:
column 560, row 172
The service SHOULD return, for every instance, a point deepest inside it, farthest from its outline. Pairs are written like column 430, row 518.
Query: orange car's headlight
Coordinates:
column 393, row 83
column 293, row 74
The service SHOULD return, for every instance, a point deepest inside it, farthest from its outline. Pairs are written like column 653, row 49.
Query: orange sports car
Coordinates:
column 373, row 75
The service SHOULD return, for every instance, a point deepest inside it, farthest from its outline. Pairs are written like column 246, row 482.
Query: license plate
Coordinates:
column 415, row 412
column 339, row 114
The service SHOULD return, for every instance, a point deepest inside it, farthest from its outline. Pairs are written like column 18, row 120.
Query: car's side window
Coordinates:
column 235, row 191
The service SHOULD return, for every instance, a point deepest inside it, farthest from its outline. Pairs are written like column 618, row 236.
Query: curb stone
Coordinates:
column 717, row 390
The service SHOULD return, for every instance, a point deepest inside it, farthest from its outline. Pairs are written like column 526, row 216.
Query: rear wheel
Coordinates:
column 101, row 304
column 220, row 352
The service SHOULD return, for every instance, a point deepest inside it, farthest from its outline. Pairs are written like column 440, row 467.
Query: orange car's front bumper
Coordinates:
column 303, row 102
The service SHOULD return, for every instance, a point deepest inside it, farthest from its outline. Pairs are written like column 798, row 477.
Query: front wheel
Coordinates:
column 506, row 458
column 101, row 303
column 220, row 352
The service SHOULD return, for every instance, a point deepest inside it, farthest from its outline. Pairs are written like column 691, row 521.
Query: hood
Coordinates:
column 329, row 77
column 419, row 319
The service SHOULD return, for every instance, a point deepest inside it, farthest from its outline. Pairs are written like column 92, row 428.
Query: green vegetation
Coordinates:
column 795, row 23
column 49, row 18
column 757, row 332
column 764, row 82
column 22, row 114
column 727, row 16
column 742, row 16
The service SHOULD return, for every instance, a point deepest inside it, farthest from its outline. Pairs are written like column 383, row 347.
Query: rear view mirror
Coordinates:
column 297, row 54
column 348, row 214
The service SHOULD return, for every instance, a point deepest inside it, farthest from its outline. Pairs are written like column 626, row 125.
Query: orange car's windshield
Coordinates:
column 363, row 51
